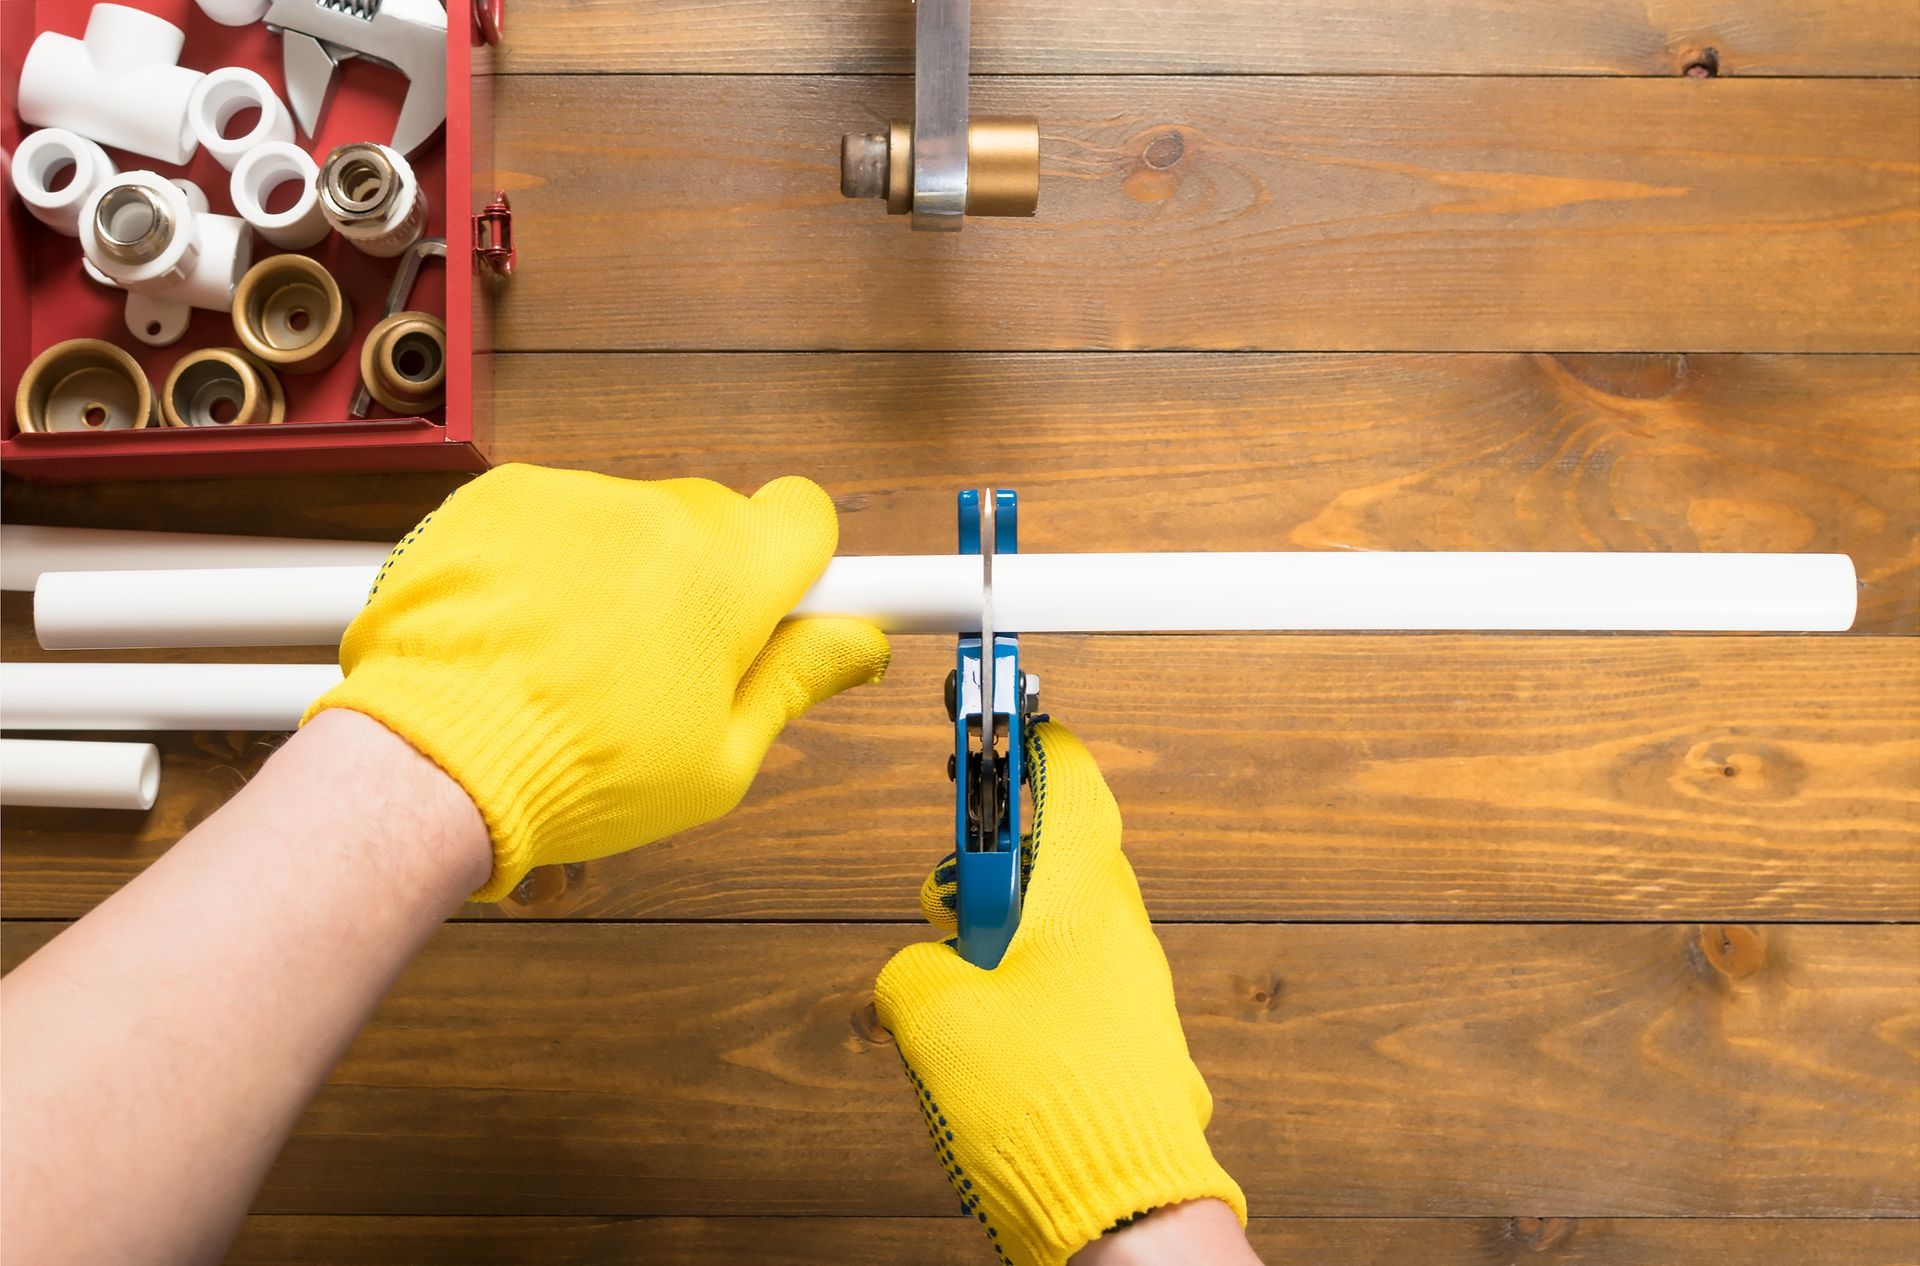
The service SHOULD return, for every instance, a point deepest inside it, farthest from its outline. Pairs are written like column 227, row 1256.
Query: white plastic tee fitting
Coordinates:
column 368, row 192
column 266, row 168
column 119, row 85
column 154, row 238
column 235, row 12
column 38, row 164
column 224, row 93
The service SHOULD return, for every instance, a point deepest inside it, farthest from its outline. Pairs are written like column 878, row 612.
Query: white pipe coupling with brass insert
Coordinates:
column 369, row 193
column 83, row 384
column 944, row 166
column 155, row 239
column 221, row 386
column 290, row 313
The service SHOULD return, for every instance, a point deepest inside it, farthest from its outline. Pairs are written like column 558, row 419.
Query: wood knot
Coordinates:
column 546, row 883
column 867, row 1028
column 1741, row 770
column 1164, row 151
column 1734, row 951
column 1701, row 63
column 1262, row 993
column 1540, row 1235
column 1626, row 375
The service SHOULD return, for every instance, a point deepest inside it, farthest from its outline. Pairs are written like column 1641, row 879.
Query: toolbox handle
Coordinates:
column 489, row 20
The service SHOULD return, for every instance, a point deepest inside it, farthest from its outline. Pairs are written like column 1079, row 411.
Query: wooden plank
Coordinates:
column 1381, row 1071
column 1230, row 213
column 1518, row 1241
column 1338, row 777
column 1207, row 451
column 1086, row 37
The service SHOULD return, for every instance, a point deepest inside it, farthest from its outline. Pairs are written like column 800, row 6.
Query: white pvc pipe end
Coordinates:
column 78, row 166
column 235, row 12
column 264, row 169
column 223, row 94
column 58, row 774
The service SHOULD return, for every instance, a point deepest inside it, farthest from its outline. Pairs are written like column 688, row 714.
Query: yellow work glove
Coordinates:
column 600, row 662
column 1057, row 1086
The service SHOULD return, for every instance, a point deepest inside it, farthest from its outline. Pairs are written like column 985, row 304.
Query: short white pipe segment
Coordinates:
column 57, row 774
column 27, row 550
column 264, row 697
column 1063, row 593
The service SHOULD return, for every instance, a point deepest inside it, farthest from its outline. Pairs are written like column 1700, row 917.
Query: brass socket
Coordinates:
column 221, row 386
column 1003, row 166
column 403, row 362
column 289, row 312
column 83, row 384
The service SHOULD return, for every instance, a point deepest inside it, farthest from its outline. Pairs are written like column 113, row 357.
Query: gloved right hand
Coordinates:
column 1057, row 1086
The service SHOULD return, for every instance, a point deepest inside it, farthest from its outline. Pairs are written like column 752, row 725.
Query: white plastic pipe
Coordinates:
column 42, row 157
column 235, row 12
column 69, row 775
column 27, row 550
column 120, row 84
column 1056, row 593
column 266, row 168
column 267, row 697
column 223, row 94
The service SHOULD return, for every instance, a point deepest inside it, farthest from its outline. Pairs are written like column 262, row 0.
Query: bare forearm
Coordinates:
column 158, row 1052
column 1198, row 1233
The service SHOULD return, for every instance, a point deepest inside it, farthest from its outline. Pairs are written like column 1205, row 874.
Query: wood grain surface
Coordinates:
column 1471, row 214
column 1517, row 1241
column 1381, row 1071
column 1338, row 777
column 1088, row 37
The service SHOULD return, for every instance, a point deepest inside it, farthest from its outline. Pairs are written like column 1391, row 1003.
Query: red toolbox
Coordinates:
column 45, row 297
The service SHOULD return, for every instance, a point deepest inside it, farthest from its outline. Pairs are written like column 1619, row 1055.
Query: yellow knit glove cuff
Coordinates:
column 600, row 662
column 1057, row 1087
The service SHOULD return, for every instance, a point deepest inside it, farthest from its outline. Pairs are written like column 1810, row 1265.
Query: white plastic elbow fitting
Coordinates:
column 118, row 85
column 41, row 158
column 266, row 168
column 368, row 192
column 235, row 12
column 224, row 93
column 154, row 238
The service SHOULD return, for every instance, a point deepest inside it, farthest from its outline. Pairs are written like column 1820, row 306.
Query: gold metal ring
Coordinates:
column 289, row 312
column 221, row 386
column 404, row 362
column 83, row 384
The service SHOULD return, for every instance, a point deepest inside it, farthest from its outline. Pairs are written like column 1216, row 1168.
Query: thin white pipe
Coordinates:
column 1050, row 593
column 72, row 775
column 26, row 551
column 266, row 697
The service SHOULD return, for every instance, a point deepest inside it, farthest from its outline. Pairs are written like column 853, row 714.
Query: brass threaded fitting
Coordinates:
column 83, row 384
column 403, row 362
column 289, row 313
column 221, row 386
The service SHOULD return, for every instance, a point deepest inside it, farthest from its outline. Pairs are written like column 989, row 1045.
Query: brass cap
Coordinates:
column 221, row 386
column 1003, row 166
column 403, row 362
column 289, row 312
column 83, row 384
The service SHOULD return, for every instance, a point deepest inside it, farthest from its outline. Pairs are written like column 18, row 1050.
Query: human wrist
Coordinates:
column 350, row 762
column 1193, row 1233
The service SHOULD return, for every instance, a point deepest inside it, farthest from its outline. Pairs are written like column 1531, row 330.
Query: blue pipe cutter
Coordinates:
column 991, row 703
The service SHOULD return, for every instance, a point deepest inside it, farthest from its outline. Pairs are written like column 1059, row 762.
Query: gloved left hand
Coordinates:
column 600, row 662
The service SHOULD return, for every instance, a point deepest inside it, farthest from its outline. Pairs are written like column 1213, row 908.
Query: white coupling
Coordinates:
column 266, row 169
column 56, row 171
column 235, row 12
column 120, row 84
column 155, row 239
column 368, row 192
column 220, row 97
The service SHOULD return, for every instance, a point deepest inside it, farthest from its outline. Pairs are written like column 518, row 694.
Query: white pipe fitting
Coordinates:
column 368, row 192
column 153, row 238
column 118, row 85
column 41, row 158
column 266, row 168
column 223, row 94
column 235, row 12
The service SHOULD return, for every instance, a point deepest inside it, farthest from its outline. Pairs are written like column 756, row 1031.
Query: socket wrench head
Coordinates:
column 289, row 312
column 83, row 384
column 221, row 386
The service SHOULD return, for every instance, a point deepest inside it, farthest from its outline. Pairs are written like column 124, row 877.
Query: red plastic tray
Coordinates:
column 45, row 297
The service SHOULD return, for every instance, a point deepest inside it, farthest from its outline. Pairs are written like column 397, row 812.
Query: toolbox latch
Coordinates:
column 493, row 237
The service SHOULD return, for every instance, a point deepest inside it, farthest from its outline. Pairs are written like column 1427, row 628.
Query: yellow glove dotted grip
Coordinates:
column 600, row 662
column 1057, row 1087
